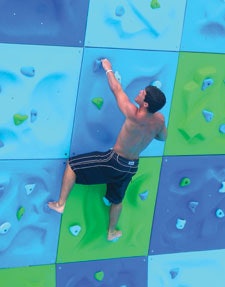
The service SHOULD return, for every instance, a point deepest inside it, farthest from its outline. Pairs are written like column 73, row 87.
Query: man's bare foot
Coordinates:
column 55, row 206
column 114, row 235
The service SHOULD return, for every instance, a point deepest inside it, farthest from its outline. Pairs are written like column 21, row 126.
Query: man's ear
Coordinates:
column 146, row 105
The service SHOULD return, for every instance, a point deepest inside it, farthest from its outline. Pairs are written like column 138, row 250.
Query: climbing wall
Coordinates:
column 55, row 102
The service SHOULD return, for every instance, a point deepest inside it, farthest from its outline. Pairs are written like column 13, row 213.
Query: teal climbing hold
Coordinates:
column 220, row 213
column 99, row 276
column 207, row 83
column 208, row 115
column 75, row 230
column 98, row 102
column 19, row 119
column 185, row 181
column 222, row 129
column 28, row 71
column 20, row 212
column 143, row 195
column 155, row 4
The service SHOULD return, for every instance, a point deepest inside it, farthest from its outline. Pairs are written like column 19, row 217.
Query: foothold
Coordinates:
column 208, row 115
column 193, row 205
column 185, row 181
column 222, row 189
column 120, row 11
column 1, row 144
column 75, row 229
column 180, row 223
column 28, row 71
column 98, row 102
column 220, row 213
column 30, row 188
column 19, row 119
column 157, row 84
column 174, row 272
column 207, row 83
column 155, row 4
column 118, row 77
column 33, row 115
column 222, row 128
column 20, row 212
column 143, row 195
column 99, row 275
column 4, row 228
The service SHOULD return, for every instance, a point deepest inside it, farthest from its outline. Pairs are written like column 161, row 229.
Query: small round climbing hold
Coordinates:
column 155, row 4
column 222, row 128
column 120, row 11
column 28, row 71
column 4, row 228
column 75, row 230
column 185, row 181
column 220, row 213
column 99, row 275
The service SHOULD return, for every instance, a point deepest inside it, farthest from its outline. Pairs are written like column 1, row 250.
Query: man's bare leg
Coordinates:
column 114, row 214
column 69, row 179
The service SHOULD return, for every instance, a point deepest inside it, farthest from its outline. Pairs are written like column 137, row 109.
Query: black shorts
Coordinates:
column 105, row 168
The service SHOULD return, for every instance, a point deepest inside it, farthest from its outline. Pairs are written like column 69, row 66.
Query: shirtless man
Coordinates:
column 117, row 166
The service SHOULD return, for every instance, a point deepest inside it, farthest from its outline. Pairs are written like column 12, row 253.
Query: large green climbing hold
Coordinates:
column 99, row 275
column 19, row 119
column 185, row 181
column 20, row 212
column 155, row 4
column 98, row 102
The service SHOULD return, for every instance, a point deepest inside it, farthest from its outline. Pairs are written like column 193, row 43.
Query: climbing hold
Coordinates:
column 75, row 229
column 106, row 201
column 207, row 83
column 4, row 228
column 20, row 212
column 143, row 195
column 118, row 77
column 180, row 223
column 193, row 205
column 155, row 4
column 28, row 71
column 1, row 143
column 98, row 102
column 222, row 128
column 120, row 11
column 157, row 84
column 185, row 181
column 19, row 119
column 99, row 275
column 29, row 188
column 219, row 213
column 97, row 65
column 208, row 115
column 174, row 272
column 222, row 189
column 33, row 115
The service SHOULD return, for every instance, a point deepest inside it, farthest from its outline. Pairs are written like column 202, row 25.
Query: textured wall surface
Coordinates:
column 55, row 102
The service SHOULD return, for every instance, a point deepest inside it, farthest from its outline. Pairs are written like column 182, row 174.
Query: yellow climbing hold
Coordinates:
column 155, row 4
column 19, row 119
column 98, row 102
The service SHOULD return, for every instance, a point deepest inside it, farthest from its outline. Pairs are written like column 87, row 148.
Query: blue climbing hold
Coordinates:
column 97, row 65
column 1, row 144
column 208, row 115
column 33, row 115
column 120, row 11
column 207, row 83
column 28, row 71
column 143, row 195
column 193, row 205
column 222, row 128
column 220, row 213
column 174, row 272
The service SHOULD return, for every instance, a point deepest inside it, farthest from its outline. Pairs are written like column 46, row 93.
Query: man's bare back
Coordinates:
column 137, row 133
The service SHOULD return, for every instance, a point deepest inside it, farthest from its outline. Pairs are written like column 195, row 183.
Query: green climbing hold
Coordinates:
column 185, row 181
column 155, row 4
column 20, row 212
column 19, row 119
column 99, row 275
column 98, row 102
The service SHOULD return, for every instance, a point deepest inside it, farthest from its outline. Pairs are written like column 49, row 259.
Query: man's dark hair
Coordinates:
column 155, row 99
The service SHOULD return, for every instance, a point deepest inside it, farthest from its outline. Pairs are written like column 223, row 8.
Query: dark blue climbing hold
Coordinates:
column 208, row 115
column 33, row 115
column 174, row 272
column 193, row 205
column 207, row 83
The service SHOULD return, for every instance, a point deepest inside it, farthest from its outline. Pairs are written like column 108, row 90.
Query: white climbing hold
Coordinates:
column 220, row 213
column 180, row 223
column 222, row 189
column 4, row 228
column 75, row 229
column 118, row 77
column 193, row 205
column 30, row 188
column 157, row 84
